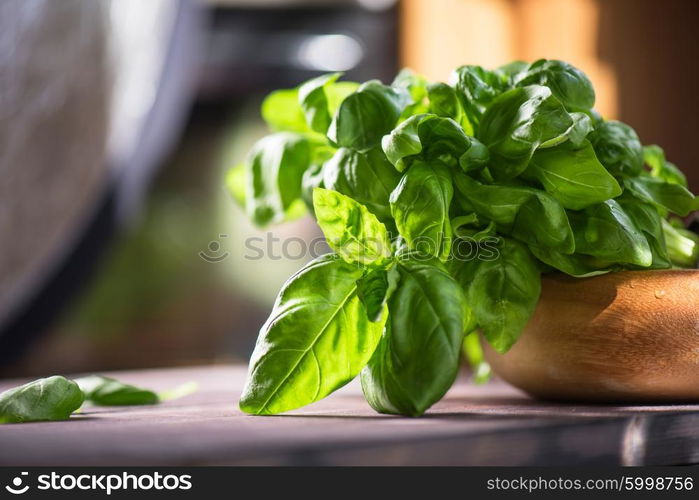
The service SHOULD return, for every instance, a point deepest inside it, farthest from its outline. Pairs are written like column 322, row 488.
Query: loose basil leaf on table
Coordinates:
column 528, row 214
column 317, row 339
column 46, row 399
column 375, row 288
column 605, row 231
column 106, row 391
column 420, row 207
column 275, row 169
column 417, row 359
column 573, row 175
column 654, row 157
column 669, row 196
column 368, row 177
column 517, row 123
column 502, row 292
column 353, row 232
column 568, row 84
column 365, row 116
column 618, row 148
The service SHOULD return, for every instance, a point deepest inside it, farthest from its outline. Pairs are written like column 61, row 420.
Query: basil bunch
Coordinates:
column 443, row 204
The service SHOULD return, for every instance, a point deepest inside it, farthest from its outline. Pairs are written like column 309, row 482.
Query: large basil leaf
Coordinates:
column 275, row 168
column 605, row 231
column 417, row 359
column 375, row 288
column 573, row 175
column 320, row 97
column 350, row 229
column 502, row 291
column 444, row 102
column 528, row 214
column 367, row 115
column 646, row 218
column 368, row 177
column 317, row 339
column 476, row 88
column 670, row 196
column 52, row 398
column 568, row 84
column 105, row 391
column 517, row 123
column 618, row 148
column 420, row 207
column 283, row 113
column 431, row 137
column 654, row 157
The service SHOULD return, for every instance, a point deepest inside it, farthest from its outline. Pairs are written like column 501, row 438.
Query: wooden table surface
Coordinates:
column 492, row 424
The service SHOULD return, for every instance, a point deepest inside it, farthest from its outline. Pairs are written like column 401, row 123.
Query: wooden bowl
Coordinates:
column 628, row 336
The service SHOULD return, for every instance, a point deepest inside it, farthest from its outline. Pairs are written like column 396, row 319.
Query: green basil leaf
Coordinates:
column 673, row 197
column 502, row 292
column 682, row 245
column 473, row 352
column 582, row 126
column 320, row 97
column 573, row 175
column 444, row 102
column 351, row 230
column 52, row 398
column 510, row 72
column 105, row 391
column 416, row 86
column 368, row 178
column 367, row 115
column 517, row 123
column 528, row 214
column 317, row 339
column 417, row 359
column 476, row 88
column 275, row 169
column 431, row 137
column 577, row 265
column 236, row 182
column 654, row 157
column 646, row 218
column 568, row 84
column 605, row 231
column 375, row 288
column 420, row 207
column 312, row 178
column 618, row 148
column 283, row 113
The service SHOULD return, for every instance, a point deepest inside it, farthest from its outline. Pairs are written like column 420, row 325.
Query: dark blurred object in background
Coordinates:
column 93, row 94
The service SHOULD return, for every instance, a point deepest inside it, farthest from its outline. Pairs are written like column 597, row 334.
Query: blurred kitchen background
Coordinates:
column 120, row 246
